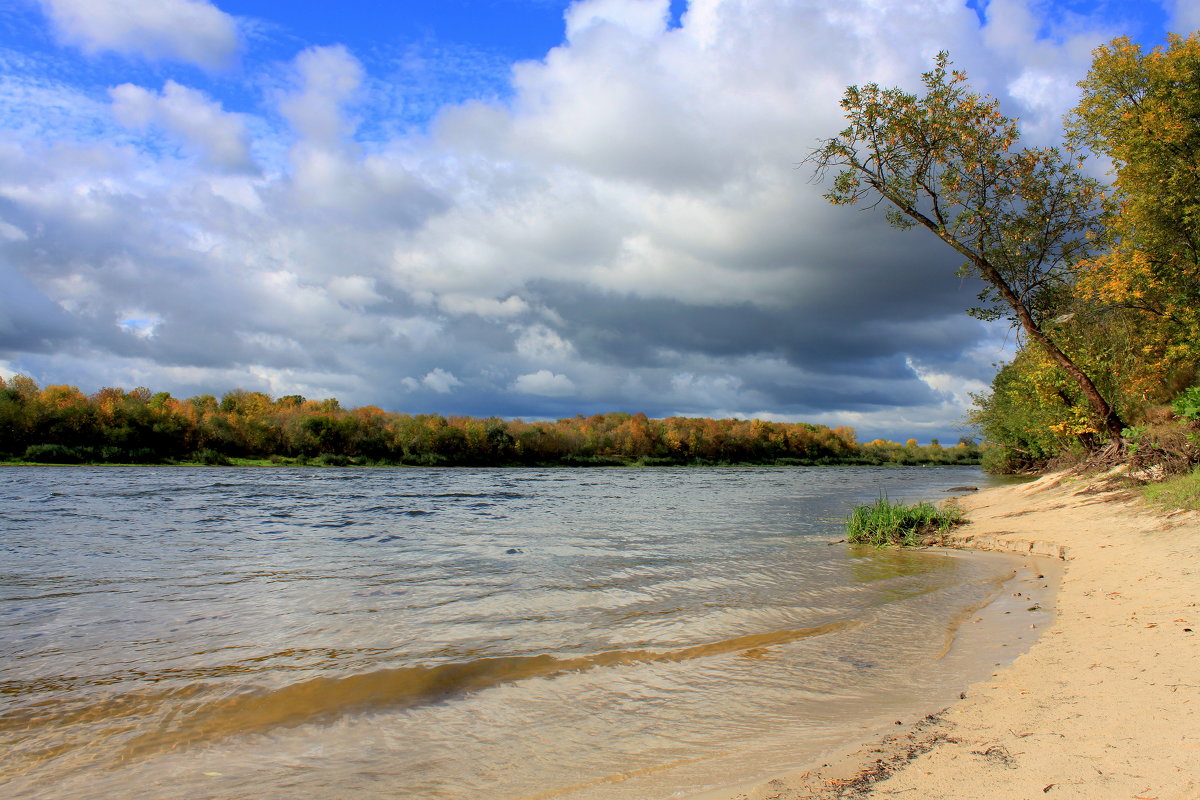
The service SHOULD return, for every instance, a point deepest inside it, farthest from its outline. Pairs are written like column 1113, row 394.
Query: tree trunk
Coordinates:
column 1112, row 422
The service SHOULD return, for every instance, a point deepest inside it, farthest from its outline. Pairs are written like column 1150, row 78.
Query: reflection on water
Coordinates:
column 445, row 633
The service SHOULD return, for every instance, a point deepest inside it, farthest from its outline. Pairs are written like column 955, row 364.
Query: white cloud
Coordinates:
column 140, row 324
column 460, row 304
column 1042, row 70
column 219, row 137
column 328, row 77
column 955, row 388
column 1043, row 91
column 194, row 31
column 11, row 232
column 355, row 290
column 418, row 332
column 644, row 18
column 1185, row 16
column 540, row 344
column 546, row 383
column 440, row 381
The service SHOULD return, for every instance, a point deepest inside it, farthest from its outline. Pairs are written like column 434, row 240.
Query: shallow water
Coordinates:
column 191, row 632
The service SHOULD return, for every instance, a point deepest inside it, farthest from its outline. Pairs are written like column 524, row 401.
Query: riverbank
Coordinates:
column 1105, row 705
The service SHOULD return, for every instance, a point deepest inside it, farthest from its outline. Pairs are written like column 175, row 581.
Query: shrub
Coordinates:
column 1187, row 403
column 53, row 454
column 144, row 455
column 886, row 523
column 211, row 458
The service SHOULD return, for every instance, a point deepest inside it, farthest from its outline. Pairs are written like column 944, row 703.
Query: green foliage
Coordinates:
column 210, row 458
column 1187, row 403
column 947, row 160
column 1133, row 437
column 1028, row 417
column 53, row 454
column 885, row 523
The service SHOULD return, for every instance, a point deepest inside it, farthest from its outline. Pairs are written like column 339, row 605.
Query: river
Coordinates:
column 450, row 633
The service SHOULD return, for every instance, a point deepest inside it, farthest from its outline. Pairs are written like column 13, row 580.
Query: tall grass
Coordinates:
column 887, row 523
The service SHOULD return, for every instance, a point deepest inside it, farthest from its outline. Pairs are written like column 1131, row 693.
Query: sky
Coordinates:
column 519, row 208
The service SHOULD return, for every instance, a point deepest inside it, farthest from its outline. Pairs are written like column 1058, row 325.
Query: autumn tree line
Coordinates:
column 60, row 424
column 1100, row 280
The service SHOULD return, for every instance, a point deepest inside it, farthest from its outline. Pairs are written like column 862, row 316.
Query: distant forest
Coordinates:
column 62, row 425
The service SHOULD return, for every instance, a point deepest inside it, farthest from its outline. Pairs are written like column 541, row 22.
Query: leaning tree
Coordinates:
column 949, row 161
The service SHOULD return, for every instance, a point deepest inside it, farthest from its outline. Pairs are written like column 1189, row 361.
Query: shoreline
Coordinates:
column 263, row 463
column 1104, row 704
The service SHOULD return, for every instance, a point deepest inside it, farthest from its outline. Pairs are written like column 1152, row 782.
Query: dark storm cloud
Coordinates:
column 28, row 321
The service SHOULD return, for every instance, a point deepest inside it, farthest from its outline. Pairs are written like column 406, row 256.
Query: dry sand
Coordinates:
column 1105, row 705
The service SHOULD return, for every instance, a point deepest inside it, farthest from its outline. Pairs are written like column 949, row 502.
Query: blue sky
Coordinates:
column 1145, row 21
column 459, row 49
column 528, row 208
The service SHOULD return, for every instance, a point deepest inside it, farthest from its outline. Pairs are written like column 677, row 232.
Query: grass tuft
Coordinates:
column 886, row 523
column 1182, row 491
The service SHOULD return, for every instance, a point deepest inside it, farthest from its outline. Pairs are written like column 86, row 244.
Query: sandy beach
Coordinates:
column 1106, row 704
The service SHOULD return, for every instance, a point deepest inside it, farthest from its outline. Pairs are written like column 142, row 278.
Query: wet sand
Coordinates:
column 1106, row 704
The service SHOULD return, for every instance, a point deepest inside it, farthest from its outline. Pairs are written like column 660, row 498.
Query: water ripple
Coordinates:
column 152, row 615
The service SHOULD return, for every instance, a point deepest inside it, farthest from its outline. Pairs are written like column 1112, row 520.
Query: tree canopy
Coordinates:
column 948, row 160
column 1142, row 111
column 1103, row 282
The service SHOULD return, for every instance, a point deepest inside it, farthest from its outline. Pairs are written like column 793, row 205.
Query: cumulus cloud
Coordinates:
column 544, row 382
column 440, row 381
column 218, row 137
column 193, row 31
column 328, row 77
column 644, row 19
column 627, row 231
column 954, row 388
column 539, row 343
column 1185, row 16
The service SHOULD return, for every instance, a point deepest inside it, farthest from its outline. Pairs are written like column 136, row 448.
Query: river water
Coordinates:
column 452, row 633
